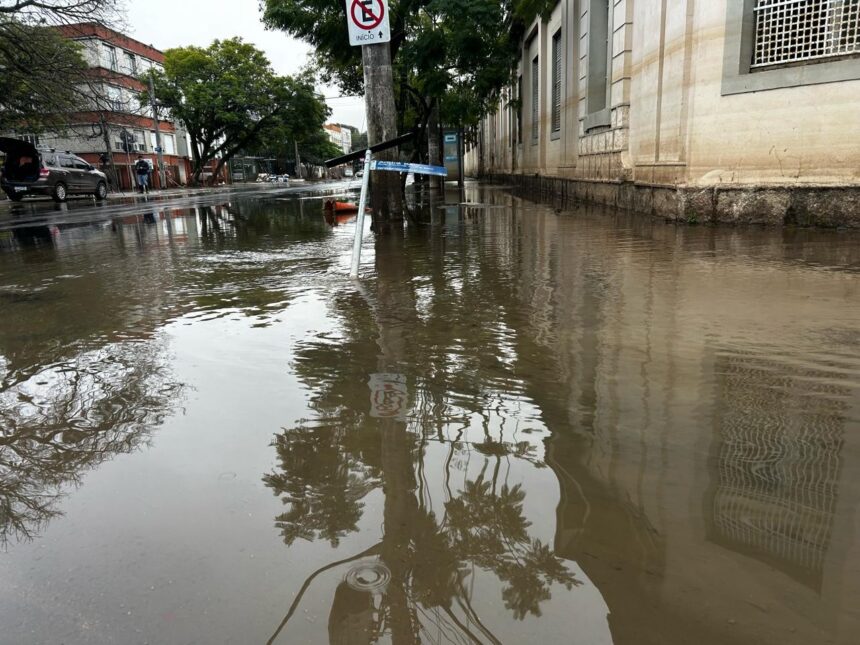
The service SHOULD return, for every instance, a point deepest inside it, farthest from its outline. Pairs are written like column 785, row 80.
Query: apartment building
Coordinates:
column 730, row 110
column 339, row 135
column 99, row 135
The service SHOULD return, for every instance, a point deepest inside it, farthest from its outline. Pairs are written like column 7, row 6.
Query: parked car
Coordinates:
column 40, row 171
column 279, row 179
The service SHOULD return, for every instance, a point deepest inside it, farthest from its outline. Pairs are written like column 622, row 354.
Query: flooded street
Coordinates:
column 521, row 425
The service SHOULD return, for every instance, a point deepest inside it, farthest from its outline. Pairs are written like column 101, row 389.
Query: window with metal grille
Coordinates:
column 535, row 98
column 556, row 81
column 792, row 31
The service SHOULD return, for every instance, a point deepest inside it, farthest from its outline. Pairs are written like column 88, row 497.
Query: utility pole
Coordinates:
column 158, row 148
column 434, row 144
column 114, row 178
column 386, row 194
column 298, row 161
column 368, row 27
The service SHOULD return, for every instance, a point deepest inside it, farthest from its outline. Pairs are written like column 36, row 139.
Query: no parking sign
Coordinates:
column 367, row 21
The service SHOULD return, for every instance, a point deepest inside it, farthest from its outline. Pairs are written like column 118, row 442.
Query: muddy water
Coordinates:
column 521, row 425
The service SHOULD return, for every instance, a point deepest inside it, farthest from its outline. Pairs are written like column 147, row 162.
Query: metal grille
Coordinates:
column 535, row 100
column 556, row 82
column 790, row 31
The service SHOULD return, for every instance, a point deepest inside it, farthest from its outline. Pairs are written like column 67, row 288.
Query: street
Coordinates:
column 522, row 423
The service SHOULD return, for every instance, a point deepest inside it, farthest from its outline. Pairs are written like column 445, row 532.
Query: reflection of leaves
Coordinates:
column 69, row 418
column 322, row 483
column 491, row 530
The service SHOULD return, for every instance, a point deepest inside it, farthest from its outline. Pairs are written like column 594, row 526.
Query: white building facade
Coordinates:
column 729, row 110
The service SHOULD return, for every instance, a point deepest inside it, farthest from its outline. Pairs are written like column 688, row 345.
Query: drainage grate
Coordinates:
column 791, row 31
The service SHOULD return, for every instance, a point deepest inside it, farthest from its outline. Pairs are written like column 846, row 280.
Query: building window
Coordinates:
column 110, row 52
column 556, row 81
column 535, row 98
column 771, row 44
column 32, row 139
column 169, row 143
column 598, row 58
column 130, row 64
column 519, row 109
column 792, row 31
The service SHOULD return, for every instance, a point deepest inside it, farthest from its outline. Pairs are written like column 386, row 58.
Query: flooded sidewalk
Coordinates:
column 520, row 425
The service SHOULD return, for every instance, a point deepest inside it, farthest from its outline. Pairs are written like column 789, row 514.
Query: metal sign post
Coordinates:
column 359, row 221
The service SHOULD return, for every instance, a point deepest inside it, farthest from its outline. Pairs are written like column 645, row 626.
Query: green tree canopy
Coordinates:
column 229, row 99
column 454, row 54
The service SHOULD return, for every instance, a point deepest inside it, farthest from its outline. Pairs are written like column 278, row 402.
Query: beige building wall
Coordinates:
column 682, row 110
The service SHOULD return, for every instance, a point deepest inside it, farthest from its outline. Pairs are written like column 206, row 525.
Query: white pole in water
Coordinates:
column 359, row 221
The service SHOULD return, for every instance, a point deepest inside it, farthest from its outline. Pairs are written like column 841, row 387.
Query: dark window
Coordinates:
column 80, row 164
column 519, row 109
column 535, row 98
column 556, row 82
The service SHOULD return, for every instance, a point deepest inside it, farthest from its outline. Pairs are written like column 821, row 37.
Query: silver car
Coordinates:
column 39, row 171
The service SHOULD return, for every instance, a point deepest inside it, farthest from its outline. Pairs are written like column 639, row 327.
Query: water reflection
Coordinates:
column 68, row 418
column 519, row 426
column 520, row 344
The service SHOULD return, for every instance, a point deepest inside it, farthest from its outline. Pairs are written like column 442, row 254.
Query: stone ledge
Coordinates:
column 822, row 206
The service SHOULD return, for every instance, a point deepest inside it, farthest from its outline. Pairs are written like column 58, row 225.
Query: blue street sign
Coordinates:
column 417, row 168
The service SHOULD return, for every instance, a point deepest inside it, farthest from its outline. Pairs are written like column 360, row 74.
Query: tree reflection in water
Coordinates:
column 330, row 465
column 61, row 420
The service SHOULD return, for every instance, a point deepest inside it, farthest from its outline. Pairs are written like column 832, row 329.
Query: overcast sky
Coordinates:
column 174, row 23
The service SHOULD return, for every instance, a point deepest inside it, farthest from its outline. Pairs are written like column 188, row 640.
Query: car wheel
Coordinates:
column 60, row 192
column 15, row 197
column 101, row 191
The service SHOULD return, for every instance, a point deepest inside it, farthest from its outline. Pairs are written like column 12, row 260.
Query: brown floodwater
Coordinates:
column 522, row 425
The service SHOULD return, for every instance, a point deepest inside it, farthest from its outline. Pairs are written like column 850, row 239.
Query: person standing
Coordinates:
column 142, row 170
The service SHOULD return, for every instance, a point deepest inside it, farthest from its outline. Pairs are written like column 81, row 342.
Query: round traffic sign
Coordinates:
column 367, row 14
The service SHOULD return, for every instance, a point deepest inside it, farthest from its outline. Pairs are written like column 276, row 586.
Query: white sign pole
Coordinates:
column 359, row 221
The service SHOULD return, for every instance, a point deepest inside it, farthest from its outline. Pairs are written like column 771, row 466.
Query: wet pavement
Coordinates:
column 521, row 425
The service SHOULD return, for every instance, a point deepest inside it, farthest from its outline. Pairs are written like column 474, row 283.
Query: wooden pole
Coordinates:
column 386, row 194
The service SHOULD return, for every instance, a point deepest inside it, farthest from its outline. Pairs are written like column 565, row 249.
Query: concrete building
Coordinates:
column 339, row 135
column 116, row 63
column 730, row 110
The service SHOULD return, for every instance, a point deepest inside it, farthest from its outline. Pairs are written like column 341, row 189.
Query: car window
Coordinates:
column 80, row 164
column 66, row 162
column 50, row 160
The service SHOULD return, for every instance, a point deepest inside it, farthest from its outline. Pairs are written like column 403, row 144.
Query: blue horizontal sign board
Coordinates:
column 417, row 168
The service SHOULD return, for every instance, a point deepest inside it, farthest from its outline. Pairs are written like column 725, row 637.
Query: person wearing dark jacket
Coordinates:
column 142, row 170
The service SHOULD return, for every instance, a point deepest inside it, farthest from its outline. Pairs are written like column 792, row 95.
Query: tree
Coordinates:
column 36, row 65
column 41, row 72
column 456, row 55
column 229, row 99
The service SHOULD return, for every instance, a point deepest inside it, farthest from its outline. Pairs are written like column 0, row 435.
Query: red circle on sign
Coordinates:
column 357, row 5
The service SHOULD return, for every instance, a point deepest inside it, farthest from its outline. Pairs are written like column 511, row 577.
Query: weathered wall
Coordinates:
column 673, row 140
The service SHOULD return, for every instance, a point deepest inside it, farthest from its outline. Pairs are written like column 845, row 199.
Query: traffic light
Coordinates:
column 128, row 141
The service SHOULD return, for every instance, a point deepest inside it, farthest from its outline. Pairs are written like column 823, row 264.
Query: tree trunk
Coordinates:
column 434, row 145
column 385, row 195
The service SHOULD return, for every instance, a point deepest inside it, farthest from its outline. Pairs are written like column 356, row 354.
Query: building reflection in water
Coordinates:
column 779, row 437
column 698, row 488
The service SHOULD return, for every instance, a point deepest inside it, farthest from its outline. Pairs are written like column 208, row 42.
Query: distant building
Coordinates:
column 743, row 110
column 340, row 135
column 115, row 64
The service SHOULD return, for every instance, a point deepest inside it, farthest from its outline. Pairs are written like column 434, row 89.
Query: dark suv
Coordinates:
column 32, row 171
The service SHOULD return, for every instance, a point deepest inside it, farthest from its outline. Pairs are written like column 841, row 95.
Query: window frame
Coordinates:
column 535, row 98
column 556, row 91
column 740, row 78
column 599, row 115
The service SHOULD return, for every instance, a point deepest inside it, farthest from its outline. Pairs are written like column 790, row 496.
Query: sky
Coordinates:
column 176, row 23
